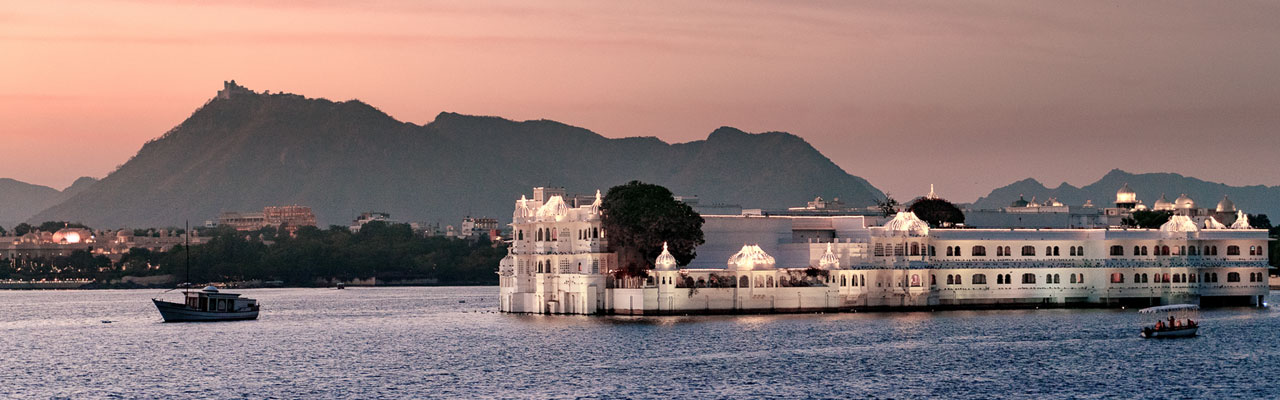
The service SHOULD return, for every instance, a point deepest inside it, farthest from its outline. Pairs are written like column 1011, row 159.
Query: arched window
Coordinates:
column 1028, row 278
column 768, row 281
column 1048, row 251
column 958, row 281
column 1048, row 278
column 1080, row 252
column 933, row 251
column 844, row 280
column 1251, row 250
column 979, row 251
column 538, row 236
column 1144, row 278
column 949, row 252
column 744, row 282
column 1164, row 278
column 1165, row 250
column 862, row 280
column 1117, row 278
column 979, row 279
column 933, row 280
column 1137, row 250
column 1191, row 278
column 1177, row 278
column 950, row 281
column 1233, row 250
column 1118, row 250
column 1057, row 279
column 999, row 279
column 1144, row 250
column 915, row 249
column 1073, row 251
column 999, row 251
column 1214, row 249
column 1206, row 251
column 915, row 280
column 1233, row 277
column 958, row 251
column 1137, row 278
column 1028, row 250
column 1073, row 278
column 1182, row 250
column 1008, row 278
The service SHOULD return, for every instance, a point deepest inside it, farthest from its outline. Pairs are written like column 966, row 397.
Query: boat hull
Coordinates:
column 1185, row 332
column 177, row 312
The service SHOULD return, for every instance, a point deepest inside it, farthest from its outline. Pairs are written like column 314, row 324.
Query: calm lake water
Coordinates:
column 421, row 342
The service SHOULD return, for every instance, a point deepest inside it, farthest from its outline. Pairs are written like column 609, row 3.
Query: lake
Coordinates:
column 416, row 342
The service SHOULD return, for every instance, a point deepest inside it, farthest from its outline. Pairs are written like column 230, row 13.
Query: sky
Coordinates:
column 968, row 96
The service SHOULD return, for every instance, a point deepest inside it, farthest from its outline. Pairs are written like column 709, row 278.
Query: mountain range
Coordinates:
column 1149, row 187
column 21, row 200
column 247, row 150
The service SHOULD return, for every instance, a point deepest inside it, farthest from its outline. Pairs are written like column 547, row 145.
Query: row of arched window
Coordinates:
column 1005, row 279
column 1233, row 250
column 1209, row 277
column 549, row 235
column 857, row 280
column 1255, row 277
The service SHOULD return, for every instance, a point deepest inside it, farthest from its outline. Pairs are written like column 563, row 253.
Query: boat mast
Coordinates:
column 187, row 249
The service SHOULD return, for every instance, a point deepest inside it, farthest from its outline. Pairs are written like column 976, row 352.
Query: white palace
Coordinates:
column 558, row 264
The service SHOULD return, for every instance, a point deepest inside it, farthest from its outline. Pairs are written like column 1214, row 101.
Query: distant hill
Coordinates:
column 21, row 200
column 253, row 150
column 1256, row 199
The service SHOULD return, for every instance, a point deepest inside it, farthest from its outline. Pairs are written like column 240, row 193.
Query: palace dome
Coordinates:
column 1020, row 202
column 829, row 259
column 1242, row 221
column 1212, row 223
column 1226, row 205
column 1184, row 202
column 522, row 208
column 555, row 208
column 1163, row 204
column 665, row 261
column 1126, row 195
column 751, row 257
column 508, row 264
column 1179, row 223
column 907, row 222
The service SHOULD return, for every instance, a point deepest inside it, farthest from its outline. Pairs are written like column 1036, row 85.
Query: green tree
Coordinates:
column 54, row 226
column 638, row 217
column 22, row 229
column 1146, row 219
column 937, row 212
column 1259, row 221
column 888, row 205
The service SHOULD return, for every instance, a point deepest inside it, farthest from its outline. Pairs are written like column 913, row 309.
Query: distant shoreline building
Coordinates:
column 750, row 263
column 289, row 218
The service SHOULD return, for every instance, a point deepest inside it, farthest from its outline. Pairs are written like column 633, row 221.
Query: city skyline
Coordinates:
column 977, row 95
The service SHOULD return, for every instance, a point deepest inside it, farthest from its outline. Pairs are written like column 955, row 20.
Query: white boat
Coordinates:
column 1179, row 323
column 208, row 305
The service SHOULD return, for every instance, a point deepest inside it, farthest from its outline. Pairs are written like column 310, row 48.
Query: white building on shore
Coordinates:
column 753, row 263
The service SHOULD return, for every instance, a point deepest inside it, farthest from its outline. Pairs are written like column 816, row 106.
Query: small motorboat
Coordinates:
column 1178, row 324
column 341, row 286
column 208, row 305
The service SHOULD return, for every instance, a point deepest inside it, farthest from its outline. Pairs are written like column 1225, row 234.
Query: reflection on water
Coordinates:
column 424, row 342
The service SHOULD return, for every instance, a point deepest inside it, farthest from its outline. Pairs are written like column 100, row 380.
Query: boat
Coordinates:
column 1179, row 323
column 205, row 305
column 341, row 286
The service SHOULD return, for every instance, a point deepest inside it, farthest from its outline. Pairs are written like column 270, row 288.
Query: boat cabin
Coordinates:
column 210, row 300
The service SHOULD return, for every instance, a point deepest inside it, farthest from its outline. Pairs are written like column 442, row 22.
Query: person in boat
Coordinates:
column 1171, row 320
column 1159, row 325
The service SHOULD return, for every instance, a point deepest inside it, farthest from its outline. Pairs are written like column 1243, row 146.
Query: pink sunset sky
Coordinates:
column 968, row 96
